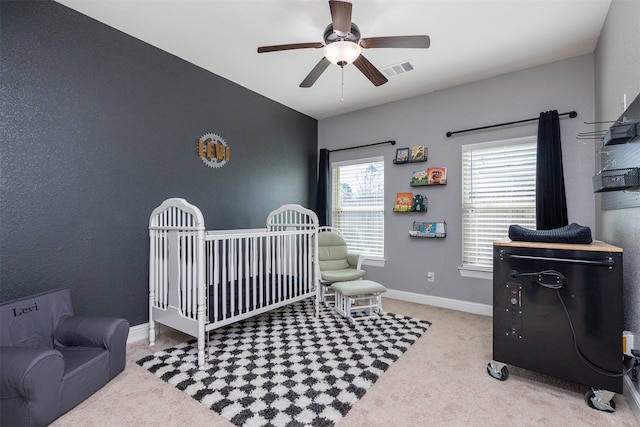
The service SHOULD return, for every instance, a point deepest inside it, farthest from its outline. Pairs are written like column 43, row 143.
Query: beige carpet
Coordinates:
column 440, row 381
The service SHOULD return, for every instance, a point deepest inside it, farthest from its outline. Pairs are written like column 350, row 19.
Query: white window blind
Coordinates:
column 498, row 189
column 358, row 204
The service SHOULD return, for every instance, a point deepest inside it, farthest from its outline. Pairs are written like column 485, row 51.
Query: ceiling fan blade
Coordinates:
column 315, row 73
column 341, row 16
column 370, row 72
column 419, row 42
column 275, row 48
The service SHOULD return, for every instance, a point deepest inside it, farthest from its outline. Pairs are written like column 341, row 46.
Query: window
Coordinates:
column 357, row 189
column 498, row 189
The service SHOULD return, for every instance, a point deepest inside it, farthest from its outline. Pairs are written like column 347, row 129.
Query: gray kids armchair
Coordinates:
column 51, row 360
column 336, row 263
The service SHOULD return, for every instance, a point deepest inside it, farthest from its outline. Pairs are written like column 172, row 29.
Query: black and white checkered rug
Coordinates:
column 287, row 367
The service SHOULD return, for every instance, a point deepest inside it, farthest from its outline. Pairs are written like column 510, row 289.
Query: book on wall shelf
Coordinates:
column 436, row 176
column 403, row 202
column 419, row 178
column 418, row 154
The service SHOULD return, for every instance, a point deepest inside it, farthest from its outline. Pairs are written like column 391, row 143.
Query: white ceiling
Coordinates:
column 470, row 40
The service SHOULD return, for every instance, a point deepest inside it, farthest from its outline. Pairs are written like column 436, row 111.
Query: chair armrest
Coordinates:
column 84, row 331
column 355, row 260
column 109, row 333
column 30, row 379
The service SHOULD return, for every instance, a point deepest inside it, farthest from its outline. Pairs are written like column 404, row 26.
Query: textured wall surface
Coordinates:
column 98, row 128
column 617, row 60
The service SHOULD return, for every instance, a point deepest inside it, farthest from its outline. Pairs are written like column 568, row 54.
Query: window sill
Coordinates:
column 375, row 262
column 476, row 273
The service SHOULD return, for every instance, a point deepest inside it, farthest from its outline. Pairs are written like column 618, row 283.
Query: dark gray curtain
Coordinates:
column 551, row 201
column 322, row 197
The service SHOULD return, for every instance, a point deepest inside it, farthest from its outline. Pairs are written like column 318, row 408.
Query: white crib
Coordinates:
column 201, row 280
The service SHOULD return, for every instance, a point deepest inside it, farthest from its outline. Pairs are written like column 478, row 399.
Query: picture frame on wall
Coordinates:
column 402, row 155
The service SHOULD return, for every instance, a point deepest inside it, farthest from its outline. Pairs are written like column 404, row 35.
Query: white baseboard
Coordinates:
column 138, row 332
column 466, row 306
column 632, row 395
column 141, row 332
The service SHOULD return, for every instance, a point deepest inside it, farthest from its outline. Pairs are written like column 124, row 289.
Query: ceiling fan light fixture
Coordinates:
column 342, row 52
column 342, row 46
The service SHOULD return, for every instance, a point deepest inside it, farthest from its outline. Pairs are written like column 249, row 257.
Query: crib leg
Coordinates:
column 152, row 333
column 201, row 353
column 318, row 298
column 152, row 324
column 201, row 346
column 207, row 345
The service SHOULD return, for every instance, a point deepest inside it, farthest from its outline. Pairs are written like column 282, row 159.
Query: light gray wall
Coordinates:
column 617, row 71
column 564, row 86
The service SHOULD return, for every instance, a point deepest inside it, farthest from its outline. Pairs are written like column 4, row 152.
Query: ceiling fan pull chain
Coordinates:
column 342, row 87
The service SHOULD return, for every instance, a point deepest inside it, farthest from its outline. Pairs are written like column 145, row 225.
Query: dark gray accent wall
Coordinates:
column 98, row 128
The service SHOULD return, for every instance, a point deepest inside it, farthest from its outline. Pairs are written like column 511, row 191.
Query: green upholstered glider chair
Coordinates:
column 336, row 263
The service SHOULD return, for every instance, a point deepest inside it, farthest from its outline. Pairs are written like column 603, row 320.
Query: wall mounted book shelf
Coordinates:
column 431, row 176
column 429, row 229
column 408, row 202
column 414, row 154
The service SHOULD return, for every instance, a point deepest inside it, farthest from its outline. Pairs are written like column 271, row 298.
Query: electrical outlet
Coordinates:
column 431, row 277
column 628, row 343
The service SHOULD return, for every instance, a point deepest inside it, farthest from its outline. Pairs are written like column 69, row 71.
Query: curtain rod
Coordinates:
column 571, row 114
column 365, row 145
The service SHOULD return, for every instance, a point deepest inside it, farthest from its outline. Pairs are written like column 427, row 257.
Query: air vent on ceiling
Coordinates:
column 397, row 69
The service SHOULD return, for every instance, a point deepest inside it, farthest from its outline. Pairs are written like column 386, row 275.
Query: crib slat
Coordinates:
column 237, row 291
column 231, row 271
column 242, row 275
column 165, row 270
column 192, row 282
column 224, row 282
column 254, row 271
column 181, row 276
column 160, row 268
column 261, row 272
column 216, row 280
column 279, row 272
column 188, row 309
column 246, row 255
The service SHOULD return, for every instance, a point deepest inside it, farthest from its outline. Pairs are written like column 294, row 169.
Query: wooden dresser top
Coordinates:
column 596, row 245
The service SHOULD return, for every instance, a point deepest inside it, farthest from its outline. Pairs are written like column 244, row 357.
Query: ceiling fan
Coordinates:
column 342, row 46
